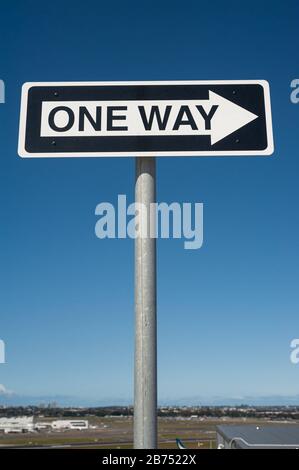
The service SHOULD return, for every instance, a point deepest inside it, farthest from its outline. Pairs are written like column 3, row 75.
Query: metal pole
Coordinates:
column 145, row 387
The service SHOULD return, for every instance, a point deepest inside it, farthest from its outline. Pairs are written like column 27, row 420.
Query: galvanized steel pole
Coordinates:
column 145, row 386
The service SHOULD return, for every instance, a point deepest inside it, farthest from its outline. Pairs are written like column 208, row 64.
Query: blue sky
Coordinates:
column 226, row 312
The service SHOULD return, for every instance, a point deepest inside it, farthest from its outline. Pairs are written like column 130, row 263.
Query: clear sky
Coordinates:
column 227, row 312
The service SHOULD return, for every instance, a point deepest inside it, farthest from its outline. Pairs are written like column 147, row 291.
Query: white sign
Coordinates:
column 146, row 118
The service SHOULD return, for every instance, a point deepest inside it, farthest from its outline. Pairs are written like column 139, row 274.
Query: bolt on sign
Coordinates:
column 192, row 118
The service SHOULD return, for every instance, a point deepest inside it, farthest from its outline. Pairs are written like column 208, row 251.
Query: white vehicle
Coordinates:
column 70, row 424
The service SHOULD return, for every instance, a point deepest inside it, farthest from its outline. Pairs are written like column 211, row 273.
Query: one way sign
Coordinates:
column 145, row 119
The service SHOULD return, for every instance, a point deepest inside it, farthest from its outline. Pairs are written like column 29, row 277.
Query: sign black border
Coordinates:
column 252, row 137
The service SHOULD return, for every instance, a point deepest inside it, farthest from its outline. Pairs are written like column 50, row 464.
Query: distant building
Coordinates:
column 16, row 425
column 258, row 437
column 25, row 424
